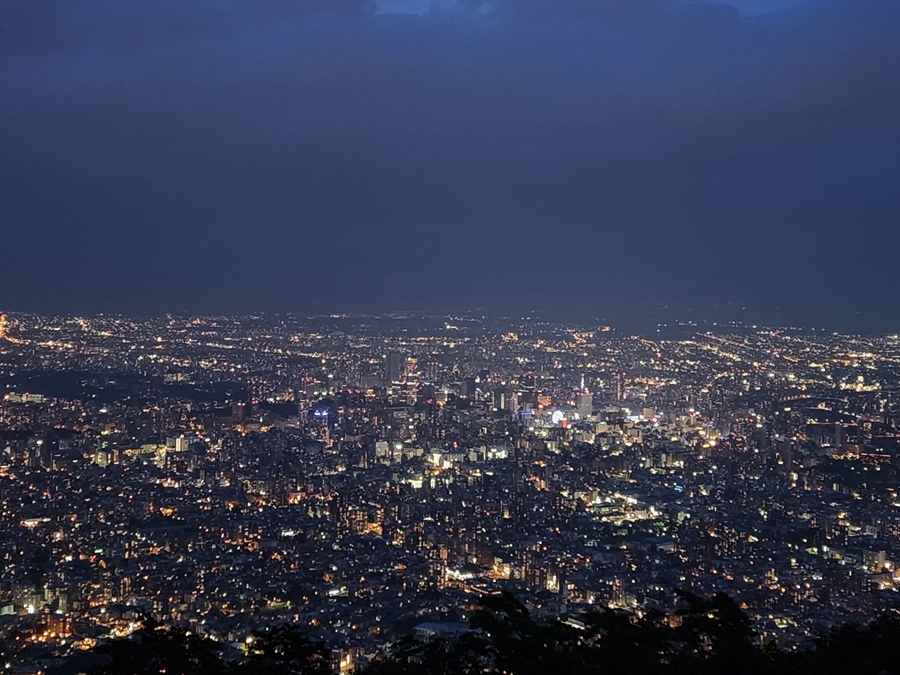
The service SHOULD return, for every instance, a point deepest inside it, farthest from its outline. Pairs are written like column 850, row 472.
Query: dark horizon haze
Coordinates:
column 633, row 160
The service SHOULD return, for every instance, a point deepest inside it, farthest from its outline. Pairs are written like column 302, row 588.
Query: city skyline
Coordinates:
column 356, row 479
column 665, row 324
column 635, row 161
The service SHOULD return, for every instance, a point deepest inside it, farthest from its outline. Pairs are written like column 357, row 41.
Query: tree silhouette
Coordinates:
column 871, row 649
column 153, row 649
column 408, row 656
column 284, row 649
column 620, row 644
column 704, row 636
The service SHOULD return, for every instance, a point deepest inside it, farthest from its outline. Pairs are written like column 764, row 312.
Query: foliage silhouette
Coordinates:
column 286, row 650
column 153, row 649
column 703, row 636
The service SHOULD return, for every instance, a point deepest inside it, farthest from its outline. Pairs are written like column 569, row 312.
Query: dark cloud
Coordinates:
column 594, row 157
column 38, row 27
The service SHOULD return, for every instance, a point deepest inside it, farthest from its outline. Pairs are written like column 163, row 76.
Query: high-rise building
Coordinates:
column 786, row 454
column 620, row 386
column 584, row 400
column 499, row 399
column 394, row 368
column 584, row 404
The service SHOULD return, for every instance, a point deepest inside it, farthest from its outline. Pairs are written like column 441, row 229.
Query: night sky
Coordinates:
column 621, row 159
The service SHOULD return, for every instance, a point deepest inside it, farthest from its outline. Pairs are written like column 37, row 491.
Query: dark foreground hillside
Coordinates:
column 705, row 636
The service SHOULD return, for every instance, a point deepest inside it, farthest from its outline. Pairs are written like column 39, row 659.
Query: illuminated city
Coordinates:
column 365, row 475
